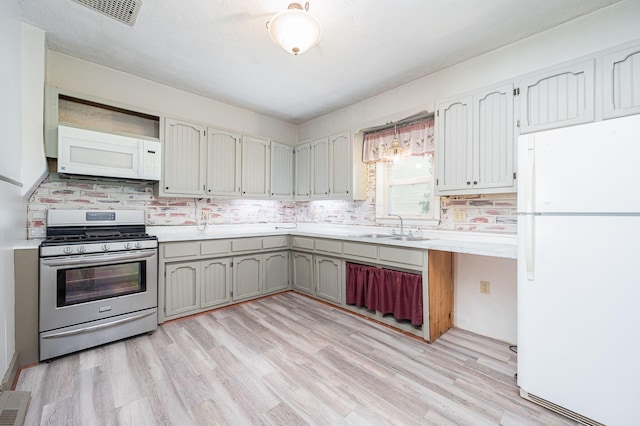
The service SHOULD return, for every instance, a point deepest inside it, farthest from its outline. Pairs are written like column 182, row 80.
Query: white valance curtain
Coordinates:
column 412, row 139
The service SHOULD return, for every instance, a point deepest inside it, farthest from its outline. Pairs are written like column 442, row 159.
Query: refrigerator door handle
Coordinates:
column 531, row 162
column 529, row 245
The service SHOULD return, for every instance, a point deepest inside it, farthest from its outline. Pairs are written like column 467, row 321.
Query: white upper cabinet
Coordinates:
column 493, row 138
column 255, row 167
column 340, row 179
column 223, row 163
column 303, row 171
column 621, row 78
column 475, row 143
column 184, row 158
column 561, row 97
column 454, row 130
column 281, row 171
column 320, row 168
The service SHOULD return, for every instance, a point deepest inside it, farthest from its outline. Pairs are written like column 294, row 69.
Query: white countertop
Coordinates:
column 484, row 244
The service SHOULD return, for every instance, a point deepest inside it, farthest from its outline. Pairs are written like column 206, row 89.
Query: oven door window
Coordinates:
column 80, row 285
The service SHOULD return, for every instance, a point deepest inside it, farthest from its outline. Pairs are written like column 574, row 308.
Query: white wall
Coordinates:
column 106, row 83
column 34, row 163
column 600, row 30
column 492, row 314
column 12, row 207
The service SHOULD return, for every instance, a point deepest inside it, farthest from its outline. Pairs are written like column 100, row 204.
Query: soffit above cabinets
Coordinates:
column 220, row 49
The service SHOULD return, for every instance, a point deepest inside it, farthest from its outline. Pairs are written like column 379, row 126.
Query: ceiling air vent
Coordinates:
column 122, row 10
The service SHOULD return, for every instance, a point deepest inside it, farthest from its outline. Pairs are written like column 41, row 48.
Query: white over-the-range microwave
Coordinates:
column 87, row 152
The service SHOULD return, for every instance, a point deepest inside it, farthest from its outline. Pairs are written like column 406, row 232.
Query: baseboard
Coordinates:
column 10, row 375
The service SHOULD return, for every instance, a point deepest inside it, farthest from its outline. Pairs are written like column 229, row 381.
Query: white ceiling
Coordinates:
column 221, row 49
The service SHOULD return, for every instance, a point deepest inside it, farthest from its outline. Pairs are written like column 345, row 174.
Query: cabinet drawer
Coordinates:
column 244, row 244
column 275, row 241
column 190, row 248
column 361, row 250
column 301, row 242
column 214, row 247
column 329, row 246
column 406, row 256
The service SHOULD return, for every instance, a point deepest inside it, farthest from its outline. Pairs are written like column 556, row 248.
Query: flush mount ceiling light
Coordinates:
column 295, row 29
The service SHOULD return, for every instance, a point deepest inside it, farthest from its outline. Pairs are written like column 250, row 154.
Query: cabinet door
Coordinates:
column 303, row 171
column 320, row 168
column 563, row 97
column 329, row 279
column 493, row 138
column 340, row 165
column 303, row 272
column 247, row 277
column 621, row 72
column 281, row 171
column 454, row 126
column 182, row 287
column 223, row 163
column 255, row 167
column 276, row 271
column 183, row 159
column 215, row 283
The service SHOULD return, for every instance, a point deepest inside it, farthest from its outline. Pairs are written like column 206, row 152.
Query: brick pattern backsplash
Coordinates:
column 480, row 213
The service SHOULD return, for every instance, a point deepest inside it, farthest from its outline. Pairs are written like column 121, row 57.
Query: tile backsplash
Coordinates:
column 480, row 213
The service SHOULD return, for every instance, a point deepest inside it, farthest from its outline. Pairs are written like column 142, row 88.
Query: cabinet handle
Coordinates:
column 166, row 187
column 475, row 182
column 468, row 183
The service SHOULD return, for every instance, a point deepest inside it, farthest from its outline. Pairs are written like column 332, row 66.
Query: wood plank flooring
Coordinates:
column 282, row 360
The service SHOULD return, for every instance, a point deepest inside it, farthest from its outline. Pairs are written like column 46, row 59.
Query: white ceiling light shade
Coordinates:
column 295, row 29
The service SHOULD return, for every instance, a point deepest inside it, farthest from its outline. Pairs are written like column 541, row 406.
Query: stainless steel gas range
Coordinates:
column 98, row 279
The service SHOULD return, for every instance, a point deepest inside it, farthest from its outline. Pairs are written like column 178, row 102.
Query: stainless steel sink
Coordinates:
column 409, row 238
column 374, row 236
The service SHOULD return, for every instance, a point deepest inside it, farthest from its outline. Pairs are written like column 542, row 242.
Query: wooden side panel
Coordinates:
column 440, row 293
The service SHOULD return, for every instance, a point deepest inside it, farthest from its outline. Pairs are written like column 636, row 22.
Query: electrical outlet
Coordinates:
column 485, row 287
column 203, row 215
column 459, row 215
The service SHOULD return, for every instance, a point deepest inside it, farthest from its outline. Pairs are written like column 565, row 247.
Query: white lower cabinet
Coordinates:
column 182, row 284
column 191, row 286
column 276, row 271
column 247, row 277
column 303, row 272
column 216, row 282
column 329, row 279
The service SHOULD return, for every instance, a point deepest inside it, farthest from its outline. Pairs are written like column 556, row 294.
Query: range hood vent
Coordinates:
column 125, row 11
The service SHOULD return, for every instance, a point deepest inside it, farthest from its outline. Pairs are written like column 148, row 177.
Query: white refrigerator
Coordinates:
column 579, row 270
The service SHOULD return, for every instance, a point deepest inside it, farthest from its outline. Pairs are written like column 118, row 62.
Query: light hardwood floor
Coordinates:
column 282, row 360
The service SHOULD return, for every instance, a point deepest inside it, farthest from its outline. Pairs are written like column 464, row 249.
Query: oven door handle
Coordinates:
column 98, row 327
column 98, row 258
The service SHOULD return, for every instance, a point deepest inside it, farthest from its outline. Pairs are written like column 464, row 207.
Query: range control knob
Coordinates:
column 81, row 249
column 106, row 247
column 127, row 245
column 67, row 250
column 138, row 245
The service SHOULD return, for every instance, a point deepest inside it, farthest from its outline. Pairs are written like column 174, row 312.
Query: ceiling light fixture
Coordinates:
column 295, row 29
